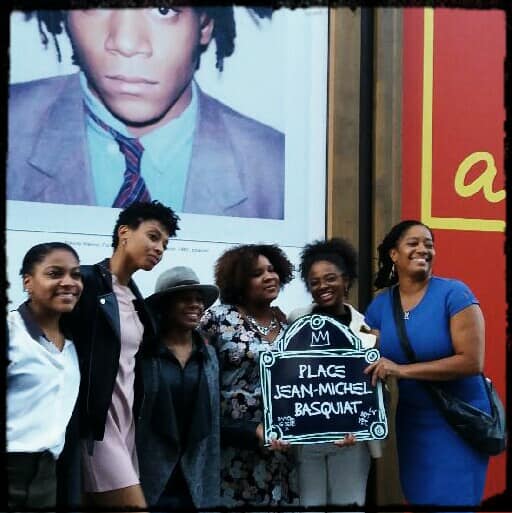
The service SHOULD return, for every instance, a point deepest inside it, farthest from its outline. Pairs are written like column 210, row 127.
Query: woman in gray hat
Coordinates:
column 178, row 434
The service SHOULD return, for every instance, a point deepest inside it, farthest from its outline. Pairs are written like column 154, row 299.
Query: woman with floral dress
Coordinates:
column 243, row 326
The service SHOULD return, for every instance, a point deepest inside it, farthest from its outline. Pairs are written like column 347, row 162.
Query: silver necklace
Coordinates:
column 264, row 330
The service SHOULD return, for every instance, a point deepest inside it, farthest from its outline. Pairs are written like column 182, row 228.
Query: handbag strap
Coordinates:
column 398, row 314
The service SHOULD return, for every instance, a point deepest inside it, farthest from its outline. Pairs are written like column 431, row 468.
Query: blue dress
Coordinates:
column 436, row 465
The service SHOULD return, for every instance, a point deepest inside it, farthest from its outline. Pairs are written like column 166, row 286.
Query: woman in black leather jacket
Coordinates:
column 109, row 325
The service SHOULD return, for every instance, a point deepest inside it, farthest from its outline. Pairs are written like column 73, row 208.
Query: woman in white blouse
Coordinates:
column 334, row 474
column 42, row 375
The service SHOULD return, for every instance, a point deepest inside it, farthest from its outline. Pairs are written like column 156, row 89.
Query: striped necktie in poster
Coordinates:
column 133, row 187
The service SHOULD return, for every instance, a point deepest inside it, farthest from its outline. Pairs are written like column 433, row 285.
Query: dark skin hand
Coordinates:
column 275, row 444
column 349, row 439
column 281, row 445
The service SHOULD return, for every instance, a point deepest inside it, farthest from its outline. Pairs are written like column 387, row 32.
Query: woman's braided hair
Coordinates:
column 384, row 277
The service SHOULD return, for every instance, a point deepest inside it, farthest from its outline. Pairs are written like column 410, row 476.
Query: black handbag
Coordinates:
column 484, row 432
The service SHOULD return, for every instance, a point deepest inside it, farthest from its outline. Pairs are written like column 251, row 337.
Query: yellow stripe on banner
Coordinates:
column 426, row 143
column 448, row 223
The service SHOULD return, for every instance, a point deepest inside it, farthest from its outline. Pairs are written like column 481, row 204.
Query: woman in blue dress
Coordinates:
column 445, row 327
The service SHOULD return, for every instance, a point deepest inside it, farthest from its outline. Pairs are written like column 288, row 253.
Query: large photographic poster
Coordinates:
column 242, row 162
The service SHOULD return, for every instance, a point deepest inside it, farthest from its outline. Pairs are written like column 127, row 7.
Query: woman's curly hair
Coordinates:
column 338, row 251
column 234, row 268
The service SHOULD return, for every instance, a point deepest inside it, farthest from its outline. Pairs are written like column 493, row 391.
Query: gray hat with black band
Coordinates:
column 181, row 278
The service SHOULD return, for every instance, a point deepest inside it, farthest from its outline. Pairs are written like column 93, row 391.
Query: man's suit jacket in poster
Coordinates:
column 236, row 166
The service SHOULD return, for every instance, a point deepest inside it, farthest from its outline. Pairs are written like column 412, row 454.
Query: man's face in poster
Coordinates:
column 140, row 62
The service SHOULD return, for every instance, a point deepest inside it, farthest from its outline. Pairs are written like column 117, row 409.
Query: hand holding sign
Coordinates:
column 275, row 443
column 349, row 440
column 383, row 368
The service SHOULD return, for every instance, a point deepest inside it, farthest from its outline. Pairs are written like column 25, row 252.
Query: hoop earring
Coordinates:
column 392, row 272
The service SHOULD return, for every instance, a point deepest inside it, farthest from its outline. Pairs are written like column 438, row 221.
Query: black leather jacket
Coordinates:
column 95, row 327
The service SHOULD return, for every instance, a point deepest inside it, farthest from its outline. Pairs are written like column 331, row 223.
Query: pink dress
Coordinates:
column 114, row 464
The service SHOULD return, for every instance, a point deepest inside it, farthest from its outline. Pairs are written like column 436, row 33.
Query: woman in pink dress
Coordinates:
column 110, row 324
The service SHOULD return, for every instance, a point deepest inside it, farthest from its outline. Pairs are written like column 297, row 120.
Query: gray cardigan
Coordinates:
column 158, row 443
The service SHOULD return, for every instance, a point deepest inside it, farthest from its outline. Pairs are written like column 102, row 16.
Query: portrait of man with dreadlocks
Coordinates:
column 133, row 124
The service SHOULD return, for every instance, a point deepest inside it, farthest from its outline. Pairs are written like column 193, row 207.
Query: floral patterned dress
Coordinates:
column 248, row 476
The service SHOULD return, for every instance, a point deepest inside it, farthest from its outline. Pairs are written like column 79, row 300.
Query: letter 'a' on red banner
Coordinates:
column 460, row 99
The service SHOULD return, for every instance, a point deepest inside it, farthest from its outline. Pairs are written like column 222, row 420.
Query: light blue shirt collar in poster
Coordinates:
column 165, row 161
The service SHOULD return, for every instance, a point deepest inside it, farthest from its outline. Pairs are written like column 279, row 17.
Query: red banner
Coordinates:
column 453, row 171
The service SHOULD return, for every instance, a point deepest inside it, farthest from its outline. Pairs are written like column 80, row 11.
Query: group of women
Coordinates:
column 169, row 410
